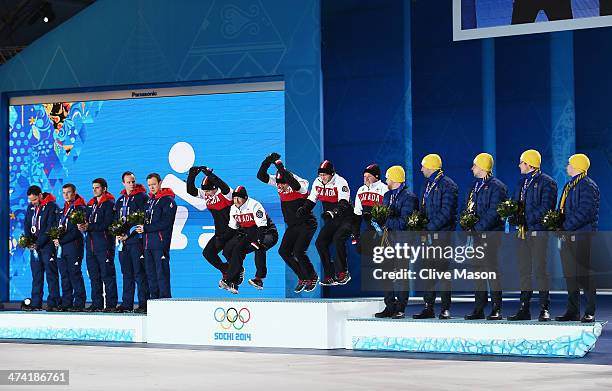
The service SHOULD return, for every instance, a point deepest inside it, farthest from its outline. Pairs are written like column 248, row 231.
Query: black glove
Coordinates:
column 271, row 158
column 194, row 170
column 206, row 170
column 279, row 165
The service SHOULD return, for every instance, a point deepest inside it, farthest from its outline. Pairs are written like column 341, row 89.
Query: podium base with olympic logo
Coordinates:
column 280, row 323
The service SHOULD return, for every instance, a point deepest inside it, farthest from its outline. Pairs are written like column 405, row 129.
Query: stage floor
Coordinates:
column 145, row 367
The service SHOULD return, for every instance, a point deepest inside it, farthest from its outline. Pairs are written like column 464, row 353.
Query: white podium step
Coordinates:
column 69, row 326
column 286, row 323
column 530, row 338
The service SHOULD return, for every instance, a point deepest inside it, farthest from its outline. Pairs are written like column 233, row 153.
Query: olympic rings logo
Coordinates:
column 232, row 317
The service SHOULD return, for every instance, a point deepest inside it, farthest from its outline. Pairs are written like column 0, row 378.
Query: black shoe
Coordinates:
column 495, row 314
column 475, row 315
column 76, row 309
column 444, row 315
column 256, row 283
column 328, row 281
column 61, row 308
column 93, row 308
column 241, row 277
column 544, row 315
column 53, row 309
column 398, row 315
column 112, row 310
column 233, row 288
column 568, row 317
column 386, row 313
column 588, row 318
column 301, row 285
column 522, row 314
column 343, row 278
column 311, row 285
column 224, row 284
column 122, row 309
column 427, row 313
column 140, row 310
column 32, row 309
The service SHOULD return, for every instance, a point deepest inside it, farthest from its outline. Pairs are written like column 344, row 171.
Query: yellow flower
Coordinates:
column 32, row 120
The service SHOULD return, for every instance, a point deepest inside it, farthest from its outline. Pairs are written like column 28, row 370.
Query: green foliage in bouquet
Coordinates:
column 553, row 220
column 118, row 228
column 468, row 220
column 507, row 209
column 25, row 241
column 417, row 221
column 56, row 233
column 380, row 214
column 77, row 217
column 136, row 218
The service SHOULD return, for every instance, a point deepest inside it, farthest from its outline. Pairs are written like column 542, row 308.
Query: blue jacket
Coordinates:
column 160, row 214
column 582, row 207
column 402, row 206
column 137, row 200
column 42, row 218
column 441, row 204
column 100, row 215
column 541, row 196
column 487, row 199
column 72, row 241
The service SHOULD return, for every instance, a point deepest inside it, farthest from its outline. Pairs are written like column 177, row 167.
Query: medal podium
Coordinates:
column 304, row 324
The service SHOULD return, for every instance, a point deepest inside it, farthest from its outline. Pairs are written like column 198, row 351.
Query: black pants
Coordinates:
column 605, row 7
column 239, row 246
column 532, row 252
column 576, row 262
column 103, row 278
column 71, row 276
column 157, row 269
column 293, row 249
column 396, row 300
column 429, row 296
column 335, row 231
column 211, row 253
column 488, row 264
column 132, row 262
column 43, row 263
column 526, row 11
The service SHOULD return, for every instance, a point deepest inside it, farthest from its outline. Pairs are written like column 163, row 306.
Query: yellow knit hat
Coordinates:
column 580, row 162
column 532, row 157
column 484, row 161
column 432, row 161
column 396, row 174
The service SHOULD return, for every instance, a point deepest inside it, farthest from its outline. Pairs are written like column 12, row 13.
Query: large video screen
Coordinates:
column 77, row 140
column 494, row 18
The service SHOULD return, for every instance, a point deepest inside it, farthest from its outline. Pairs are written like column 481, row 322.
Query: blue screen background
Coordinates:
column 231, row 133
column 492, row 13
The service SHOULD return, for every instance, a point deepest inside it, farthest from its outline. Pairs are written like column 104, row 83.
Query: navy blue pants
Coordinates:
column 101, row 269
column 131, row 259
column 73, row 286
column 44, row 265
column 157, row 266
